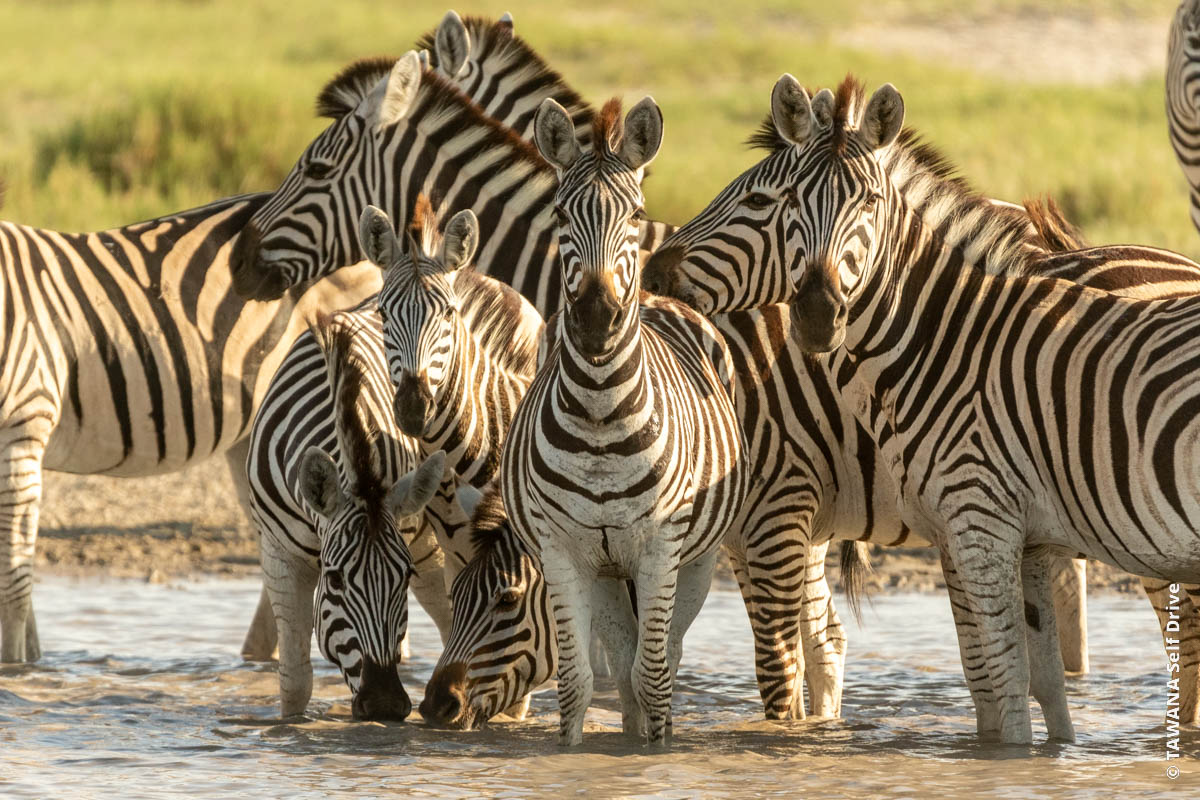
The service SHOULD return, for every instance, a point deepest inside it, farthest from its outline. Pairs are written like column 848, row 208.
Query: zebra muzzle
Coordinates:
column 445, row 704
column 594, row 319
column 253, row 279
column 819, row 313
column 413, row 405
column 380, row 694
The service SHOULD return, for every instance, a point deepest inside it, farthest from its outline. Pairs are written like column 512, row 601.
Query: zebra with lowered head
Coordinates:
column 972, row 375
column 624, row 460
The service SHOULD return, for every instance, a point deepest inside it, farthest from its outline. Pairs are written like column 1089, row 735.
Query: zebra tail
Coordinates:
column 1058, row 234
column 855, row 566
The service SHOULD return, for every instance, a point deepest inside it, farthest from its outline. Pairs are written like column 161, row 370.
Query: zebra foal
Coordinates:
column 624, row 460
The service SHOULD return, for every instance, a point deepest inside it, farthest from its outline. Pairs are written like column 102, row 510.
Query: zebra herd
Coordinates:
column 846, row 343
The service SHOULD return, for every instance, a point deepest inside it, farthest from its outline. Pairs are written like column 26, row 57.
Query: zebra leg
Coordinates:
column 774, row 591
column 428, row 583
column 290, row 583
column 986, row 549
column 823, row 638
column 1068, row 581
column 570, row 599
column 1047, row 680
column 614, row 622
column 657, row 586
column 21, row 453
column 1186, row 632
column 693, row 584
column 262, row 638
column 987, row 716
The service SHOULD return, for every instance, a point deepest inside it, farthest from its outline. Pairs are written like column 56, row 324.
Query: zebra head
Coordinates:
column 501, row 644
column 798, row 226
column 423, row 329
column 361, row 518
column 307, row 228
column 599, row 209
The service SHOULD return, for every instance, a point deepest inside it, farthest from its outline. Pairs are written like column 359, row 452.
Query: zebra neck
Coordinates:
column 463, row 424
column 602, row 393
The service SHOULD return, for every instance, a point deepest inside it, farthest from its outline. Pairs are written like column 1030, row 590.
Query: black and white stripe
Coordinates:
column 861, row 259
column 624, row 460
column 1183, row 97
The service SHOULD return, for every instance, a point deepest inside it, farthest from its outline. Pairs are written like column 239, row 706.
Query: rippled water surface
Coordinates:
column 142, row 693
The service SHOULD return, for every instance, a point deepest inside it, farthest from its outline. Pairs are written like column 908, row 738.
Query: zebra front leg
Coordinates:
column 986, row 549
column 1068, row 579
column 290, row 583
column 570, row 599
column 1184, row 629
column 614, row 622
column 656, row 586
column 1047, row 680
column 823, row 639
column 21, row 454
column 987, row 715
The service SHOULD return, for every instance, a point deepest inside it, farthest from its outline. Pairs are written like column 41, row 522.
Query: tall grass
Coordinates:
column 117, row 111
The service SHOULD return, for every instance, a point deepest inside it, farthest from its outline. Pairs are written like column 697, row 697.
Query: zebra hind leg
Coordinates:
column 1186, row 630
column 693, row 584
column 823, row 639
column 1068, row 577
column 1047, row 679
column 614, row 622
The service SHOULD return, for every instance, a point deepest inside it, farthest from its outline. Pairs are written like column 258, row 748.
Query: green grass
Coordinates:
column 116, row 111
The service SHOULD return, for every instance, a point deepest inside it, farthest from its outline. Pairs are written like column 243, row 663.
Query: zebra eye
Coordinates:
column 758, row 200
column 872, row 199
column 317, row 170
column 560, row 215
column 638, row 216
column 448, row 314
column 508, row 598
column 333, row 579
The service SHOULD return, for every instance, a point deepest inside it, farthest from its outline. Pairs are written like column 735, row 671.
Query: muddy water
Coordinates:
column 142, row 694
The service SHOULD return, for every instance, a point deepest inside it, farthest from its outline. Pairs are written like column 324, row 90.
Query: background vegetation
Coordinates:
column 116, row 111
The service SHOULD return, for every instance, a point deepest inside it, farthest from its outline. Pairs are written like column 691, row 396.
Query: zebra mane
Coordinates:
column 343, row 94
column 423, row 224
column 359, row 439
column 1057, row 233
column 489, row 523
column 495, row 313
column 491, row 39
column 608, row 126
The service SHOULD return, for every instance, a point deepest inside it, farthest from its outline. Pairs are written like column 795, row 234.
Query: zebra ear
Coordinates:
column 791, row 110
column 822, row 108
column 377, row 239
column 393, row 96
column 452, row 44
column 319, row 485
column 468, row 499
column 424, row 56
column 554, row 134
column 883, row 118
column 409, row 496
column 460, row 240
column 506, row 21
column 643, row 133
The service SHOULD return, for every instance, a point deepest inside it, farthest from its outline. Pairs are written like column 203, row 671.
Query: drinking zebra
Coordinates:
column 624, row 460
column 831, row 176
column 1183, row 108
column 474, row 341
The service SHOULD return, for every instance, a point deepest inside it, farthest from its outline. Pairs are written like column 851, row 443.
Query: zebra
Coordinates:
column 503, row 179
column 492, row 338
column 127, row 353
column 624, row 460
column 1183, row 110
column 849, row 235
column 172, row 363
